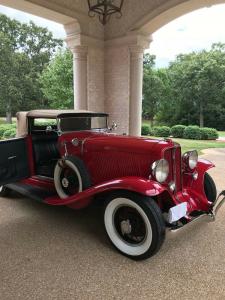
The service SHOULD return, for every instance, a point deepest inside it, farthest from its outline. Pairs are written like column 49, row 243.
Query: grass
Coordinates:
column 221, row 133
column 187, row 145
column 2, row 120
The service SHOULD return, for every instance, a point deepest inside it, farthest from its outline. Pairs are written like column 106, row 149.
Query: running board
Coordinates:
column 34, row 192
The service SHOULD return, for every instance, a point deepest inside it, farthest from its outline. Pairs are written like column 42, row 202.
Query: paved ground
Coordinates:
column 56, row 253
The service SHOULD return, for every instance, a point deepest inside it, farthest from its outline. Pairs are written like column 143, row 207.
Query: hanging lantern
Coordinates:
column 105, row 8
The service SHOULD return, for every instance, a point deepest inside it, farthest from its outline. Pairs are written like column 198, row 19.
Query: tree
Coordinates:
column 25, row 51
column 198, row 81
column 152, row 88
column 57, row 80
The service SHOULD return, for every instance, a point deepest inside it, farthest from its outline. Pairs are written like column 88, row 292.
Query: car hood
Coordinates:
column 110, row 142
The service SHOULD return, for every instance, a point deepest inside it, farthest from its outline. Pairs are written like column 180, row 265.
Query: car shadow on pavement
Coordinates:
column 87, row 221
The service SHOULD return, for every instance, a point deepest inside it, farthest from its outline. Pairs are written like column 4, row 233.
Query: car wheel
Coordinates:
column 4, row 191
column 210, row 188
column 70, row 177
column 134, row 224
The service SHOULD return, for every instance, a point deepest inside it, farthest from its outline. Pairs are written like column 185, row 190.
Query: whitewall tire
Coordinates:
column 70, row 177
column 134, row 224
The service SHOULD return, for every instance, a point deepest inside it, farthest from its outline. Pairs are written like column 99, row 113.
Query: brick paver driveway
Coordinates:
column 56, row 253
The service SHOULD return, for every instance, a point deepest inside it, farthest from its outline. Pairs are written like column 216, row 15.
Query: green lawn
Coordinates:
column 187, row 145
column 195, row 144
column 2, row 120
column 221, row 133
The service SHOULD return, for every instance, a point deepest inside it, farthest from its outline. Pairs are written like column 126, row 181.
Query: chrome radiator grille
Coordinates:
column 173, row 155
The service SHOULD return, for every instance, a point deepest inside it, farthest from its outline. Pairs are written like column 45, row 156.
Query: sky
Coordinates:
column 192, row 32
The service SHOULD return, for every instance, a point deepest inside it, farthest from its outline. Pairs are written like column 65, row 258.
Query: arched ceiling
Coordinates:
column 144, row 16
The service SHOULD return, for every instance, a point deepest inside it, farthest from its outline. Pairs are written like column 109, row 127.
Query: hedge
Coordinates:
column 161, row 131
column 180, row 131
column 145, row 130
column 177, row 131
column 9, row 133
column 192, row 133
column 7, row 130
column 208, row 133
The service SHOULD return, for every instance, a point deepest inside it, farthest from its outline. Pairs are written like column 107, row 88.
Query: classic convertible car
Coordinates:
column 146, row 185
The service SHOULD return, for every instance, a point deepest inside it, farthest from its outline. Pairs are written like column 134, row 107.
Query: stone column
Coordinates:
column 136, row 82
column 80, row 76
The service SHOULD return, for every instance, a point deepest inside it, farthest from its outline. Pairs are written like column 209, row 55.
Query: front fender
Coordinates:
column 195, row 188
column 204, row 165
column 136, row 184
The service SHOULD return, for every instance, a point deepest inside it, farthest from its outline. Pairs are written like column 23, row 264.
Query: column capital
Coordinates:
column 136, row 52
column 80, row 52
column 74, row 40
column 131, row 39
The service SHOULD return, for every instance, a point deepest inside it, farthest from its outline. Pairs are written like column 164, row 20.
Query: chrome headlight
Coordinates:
column 190, row 159
column 160, row 170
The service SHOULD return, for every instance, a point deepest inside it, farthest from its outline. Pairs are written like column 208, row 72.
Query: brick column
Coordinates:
column 123, row 81
column 136, row 82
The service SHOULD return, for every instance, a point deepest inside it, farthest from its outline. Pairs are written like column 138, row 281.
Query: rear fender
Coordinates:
column 135, row 184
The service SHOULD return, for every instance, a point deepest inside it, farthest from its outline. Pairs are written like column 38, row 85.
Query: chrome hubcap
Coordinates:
column 125, row 227
column 65, row 182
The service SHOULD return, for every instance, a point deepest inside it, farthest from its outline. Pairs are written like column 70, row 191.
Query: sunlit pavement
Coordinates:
column 56, row 253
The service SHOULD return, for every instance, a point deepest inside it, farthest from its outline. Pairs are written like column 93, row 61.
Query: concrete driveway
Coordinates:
column 56, row 253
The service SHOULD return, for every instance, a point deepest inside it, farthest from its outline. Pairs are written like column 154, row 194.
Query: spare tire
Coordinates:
column 71, row 177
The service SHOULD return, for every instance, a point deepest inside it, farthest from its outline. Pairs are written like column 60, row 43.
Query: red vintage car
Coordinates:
column 146, row 185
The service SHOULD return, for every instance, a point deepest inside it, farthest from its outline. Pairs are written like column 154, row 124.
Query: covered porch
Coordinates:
column 108, row 59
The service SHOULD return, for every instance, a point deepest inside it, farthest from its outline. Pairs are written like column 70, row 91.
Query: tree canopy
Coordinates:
column 192, row 89
column 25, row 51
column 57, row 80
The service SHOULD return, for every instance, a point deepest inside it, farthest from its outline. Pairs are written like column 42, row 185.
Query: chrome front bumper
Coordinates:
column 208, row 217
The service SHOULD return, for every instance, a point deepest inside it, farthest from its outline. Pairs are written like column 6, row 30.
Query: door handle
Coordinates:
column 11, row 157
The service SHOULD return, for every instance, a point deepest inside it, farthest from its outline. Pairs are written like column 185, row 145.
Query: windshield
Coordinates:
column 82, row 123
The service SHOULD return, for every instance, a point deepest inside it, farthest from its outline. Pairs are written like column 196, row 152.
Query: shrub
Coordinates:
column 161, row 131
column 9, row 133
column 4, row 127
column 208, row 133
column 192, row 132
column 177, row 131
column 145, row 130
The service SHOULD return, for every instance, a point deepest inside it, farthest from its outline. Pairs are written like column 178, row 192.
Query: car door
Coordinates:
column 14, row 161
